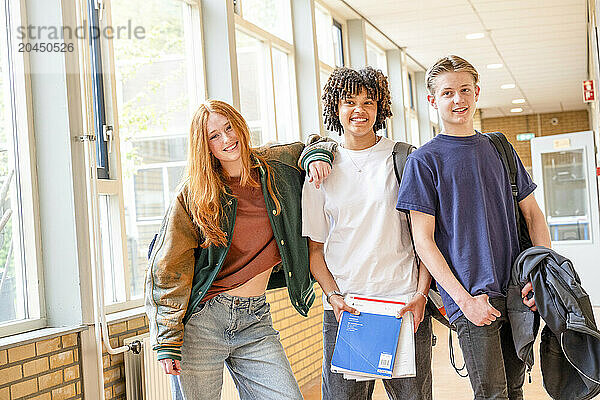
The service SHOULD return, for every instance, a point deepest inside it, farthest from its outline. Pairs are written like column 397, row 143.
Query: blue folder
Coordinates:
column 366, row 344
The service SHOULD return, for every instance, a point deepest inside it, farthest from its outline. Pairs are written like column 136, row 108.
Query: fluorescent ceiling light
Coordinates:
column 477, row 35
column 516, row 110
column 518, row 101
column 494, row 66
column 508, row 86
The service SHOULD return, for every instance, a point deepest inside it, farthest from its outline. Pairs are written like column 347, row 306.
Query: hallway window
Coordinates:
column 323, row 24
column 330, row 43
column 274, row 16
column 267, row 79
column 20, row 290
column 376, row 57
column 154, row 89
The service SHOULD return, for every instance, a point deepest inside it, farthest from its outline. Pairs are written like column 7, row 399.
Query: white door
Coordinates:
column 564, row 167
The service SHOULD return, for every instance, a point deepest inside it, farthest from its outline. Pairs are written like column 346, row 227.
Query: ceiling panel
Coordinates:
column 543, row 45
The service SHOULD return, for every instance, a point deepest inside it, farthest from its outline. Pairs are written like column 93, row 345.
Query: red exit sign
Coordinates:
column 589, row 94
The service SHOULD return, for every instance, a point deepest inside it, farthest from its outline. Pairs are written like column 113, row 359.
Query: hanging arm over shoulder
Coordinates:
column 318, row 148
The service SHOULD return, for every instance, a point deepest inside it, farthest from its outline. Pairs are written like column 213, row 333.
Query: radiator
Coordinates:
column 145, row 379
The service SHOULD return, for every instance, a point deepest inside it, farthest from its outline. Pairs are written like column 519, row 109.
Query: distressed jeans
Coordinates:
column 335, row 387
column 495, row 370
column 236, row 332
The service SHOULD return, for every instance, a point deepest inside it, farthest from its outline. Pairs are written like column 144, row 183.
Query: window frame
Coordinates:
column 21, row 107
column 97, row 87
column 339, row 23
column 271, row 41
column 410, row 107
column 380, row 51
column 113, row 186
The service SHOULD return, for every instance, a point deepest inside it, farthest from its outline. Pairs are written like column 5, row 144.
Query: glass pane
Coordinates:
column 255, row 86
column 376, row 57
column 284, row 93
column 371, row 56
column 161, row 150
column 114, row 289
column 149, row 193
column 13, row 291
column 175, row 176
column 137, row 255
column 338, row 45
column 156, row 92
column 411, row 95
column 565, row 195
column 274, row 16
column 414, row 131
column 323, row 24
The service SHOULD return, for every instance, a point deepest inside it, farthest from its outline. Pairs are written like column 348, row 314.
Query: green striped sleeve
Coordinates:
column 316, row 155
column 168, row 351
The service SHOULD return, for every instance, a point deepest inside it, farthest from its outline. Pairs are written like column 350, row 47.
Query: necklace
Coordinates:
column 359, row 168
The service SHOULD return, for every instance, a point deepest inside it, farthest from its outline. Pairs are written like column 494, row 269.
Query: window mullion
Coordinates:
column 273, row 111
column 195, row 67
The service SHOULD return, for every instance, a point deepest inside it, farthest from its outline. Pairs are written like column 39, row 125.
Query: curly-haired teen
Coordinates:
column 345, row 82
column 232, row 230
column 358, row 242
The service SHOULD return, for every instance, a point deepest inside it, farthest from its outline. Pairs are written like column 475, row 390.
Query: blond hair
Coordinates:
column 449, row 64
column 204, row 178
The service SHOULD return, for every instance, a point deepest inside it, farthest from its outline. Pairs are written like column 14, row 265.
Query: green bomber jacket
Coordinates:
column 180, row 271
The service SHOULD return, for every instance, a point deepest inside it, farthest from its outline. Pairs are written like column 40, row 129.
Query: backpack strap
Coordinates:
column 400, row 154
column 504, row 149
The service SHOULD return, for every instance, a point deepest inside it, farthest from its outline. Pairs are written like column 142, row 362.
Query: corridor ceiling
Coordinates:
column 542, row 45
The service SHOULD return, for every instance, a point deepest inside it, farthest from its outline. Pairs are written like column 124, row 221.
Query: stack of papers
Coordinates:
column 374, row 344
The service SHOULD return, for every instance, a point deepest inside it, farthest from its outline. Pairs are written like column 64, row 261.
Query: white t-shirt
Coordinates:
column 367, row 249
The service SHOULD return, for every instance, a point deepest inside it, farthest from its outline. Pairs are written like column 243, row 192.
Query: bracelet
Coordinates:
column 422, row 294
column 332, row 293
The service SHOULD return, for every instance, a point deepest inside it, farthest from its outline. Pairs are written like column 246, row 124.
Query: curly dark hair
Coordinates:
column 344, row 82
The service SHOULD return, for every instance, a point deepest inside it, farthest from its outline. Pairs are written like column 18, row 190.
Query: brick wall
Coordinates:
column 49, row 369
column 540, row 124
column 301, row 337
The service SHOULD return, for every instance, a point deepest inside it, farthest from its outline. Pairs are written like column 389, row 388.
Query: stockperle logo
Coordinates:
column 84, row 31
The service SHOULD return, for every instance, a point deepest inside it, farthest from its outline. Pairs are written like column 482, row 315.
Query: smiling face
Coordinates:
column 455, row 98
column 223, row 142
column 357, row 114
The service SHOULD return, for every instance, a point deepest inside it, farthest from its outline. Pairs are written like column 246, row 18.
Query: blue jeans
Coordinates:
column 495, row 370
column 237, row 332
column 335, row 387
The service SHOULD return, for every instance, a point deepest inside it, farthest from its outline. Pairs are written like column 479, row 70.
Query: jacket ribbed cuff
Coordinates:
column 316, row 155
column 168, row 351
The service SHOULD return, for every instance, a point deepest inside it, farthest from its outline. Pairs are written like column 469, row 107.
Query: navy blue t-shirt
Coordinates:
column 463, row 183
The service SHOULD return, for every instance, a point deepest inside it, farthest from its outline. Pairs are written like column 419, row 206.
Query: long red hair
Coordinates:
column 204, row 179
